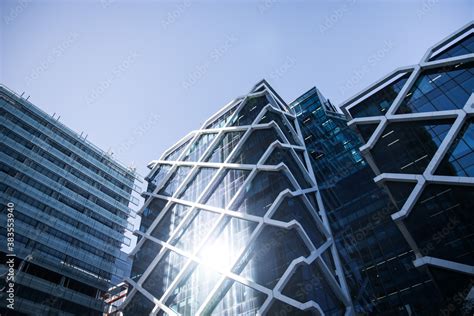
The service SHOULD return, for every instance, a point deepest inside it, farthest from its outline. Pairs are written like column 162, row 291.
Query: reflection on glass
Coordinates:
column 195, row 187
column 149, row 250
column 164, row 273
column 439, row 89
column 177, row 152
column 222, row 252
column 198, row 147
column 239, row 300
column 167, row 225
column 224, row 147
column 407, row 147
column 459, row 160
column 193, row 233
column 227, row 187
column 175, row 180
column 379, row 102
column 191, row 292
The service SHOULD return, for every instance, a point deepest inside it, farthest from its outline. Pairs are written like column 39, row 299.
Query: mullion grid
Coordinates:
column 428, row 176
column 190, row 212
column 254, row 169
column 184, row 272
column 275, row 204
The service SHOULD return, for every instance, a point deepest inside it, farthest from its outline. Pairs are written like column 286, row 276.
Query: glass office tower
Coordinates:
column 376, row 258
column 233, row 224
column 418, row 132
column 70, row 203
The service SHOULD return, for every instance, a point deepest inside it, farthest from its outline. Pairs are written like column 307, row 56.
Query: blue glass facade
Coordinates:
column 421, row 150
column 71, row 210
column 376, row 257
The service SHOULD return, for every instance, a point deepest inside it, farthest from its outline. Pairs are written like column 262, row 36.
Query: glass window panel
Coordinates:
column 279, row 308
column 195, row 187
column 459, row 160
column 223, row 119
column 174, row 181
column 448, row 224
column 439, row 89
column 285, row 155
column 309, row 284
column 400, row 191
column 281, row 122
column 249, row 111
column 144, row 256
column 167, row 225
column 379, row 102
column 193, row 233
column 271, row 254
column 150, row 212
column 198, row 147
column 139, row 305
column 238, row 300
column 227, row 187
column 230, row 241
column 255, row 145
column 463, row 47
column 261, row 192
column 191, row 292
column 366, row 131
column 157, row 177
column 225, row 146
column 407, row 147
column 273, row 102
column 164, row 273
column 174, row 155
column 294, row 208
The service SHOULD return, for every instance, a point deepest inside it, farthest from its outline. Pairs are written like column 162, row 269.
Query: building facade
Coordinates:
column 69, row 203
column 418, row 133
column 233, row 222
column 376, row 258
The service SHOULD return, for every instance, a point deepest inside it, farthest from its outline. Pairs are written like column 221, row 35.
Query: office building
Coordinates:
column 418, row 133
column 233, row 222
column 71, row 206
column 376, row 258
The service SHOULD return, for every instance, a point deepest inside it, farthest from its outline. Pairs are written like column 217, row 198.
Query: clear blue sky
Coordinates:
column 138, row 75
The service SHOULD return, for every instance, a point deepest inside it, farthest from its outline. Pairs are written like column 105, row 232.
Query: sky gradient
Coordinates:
column 137, row 76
